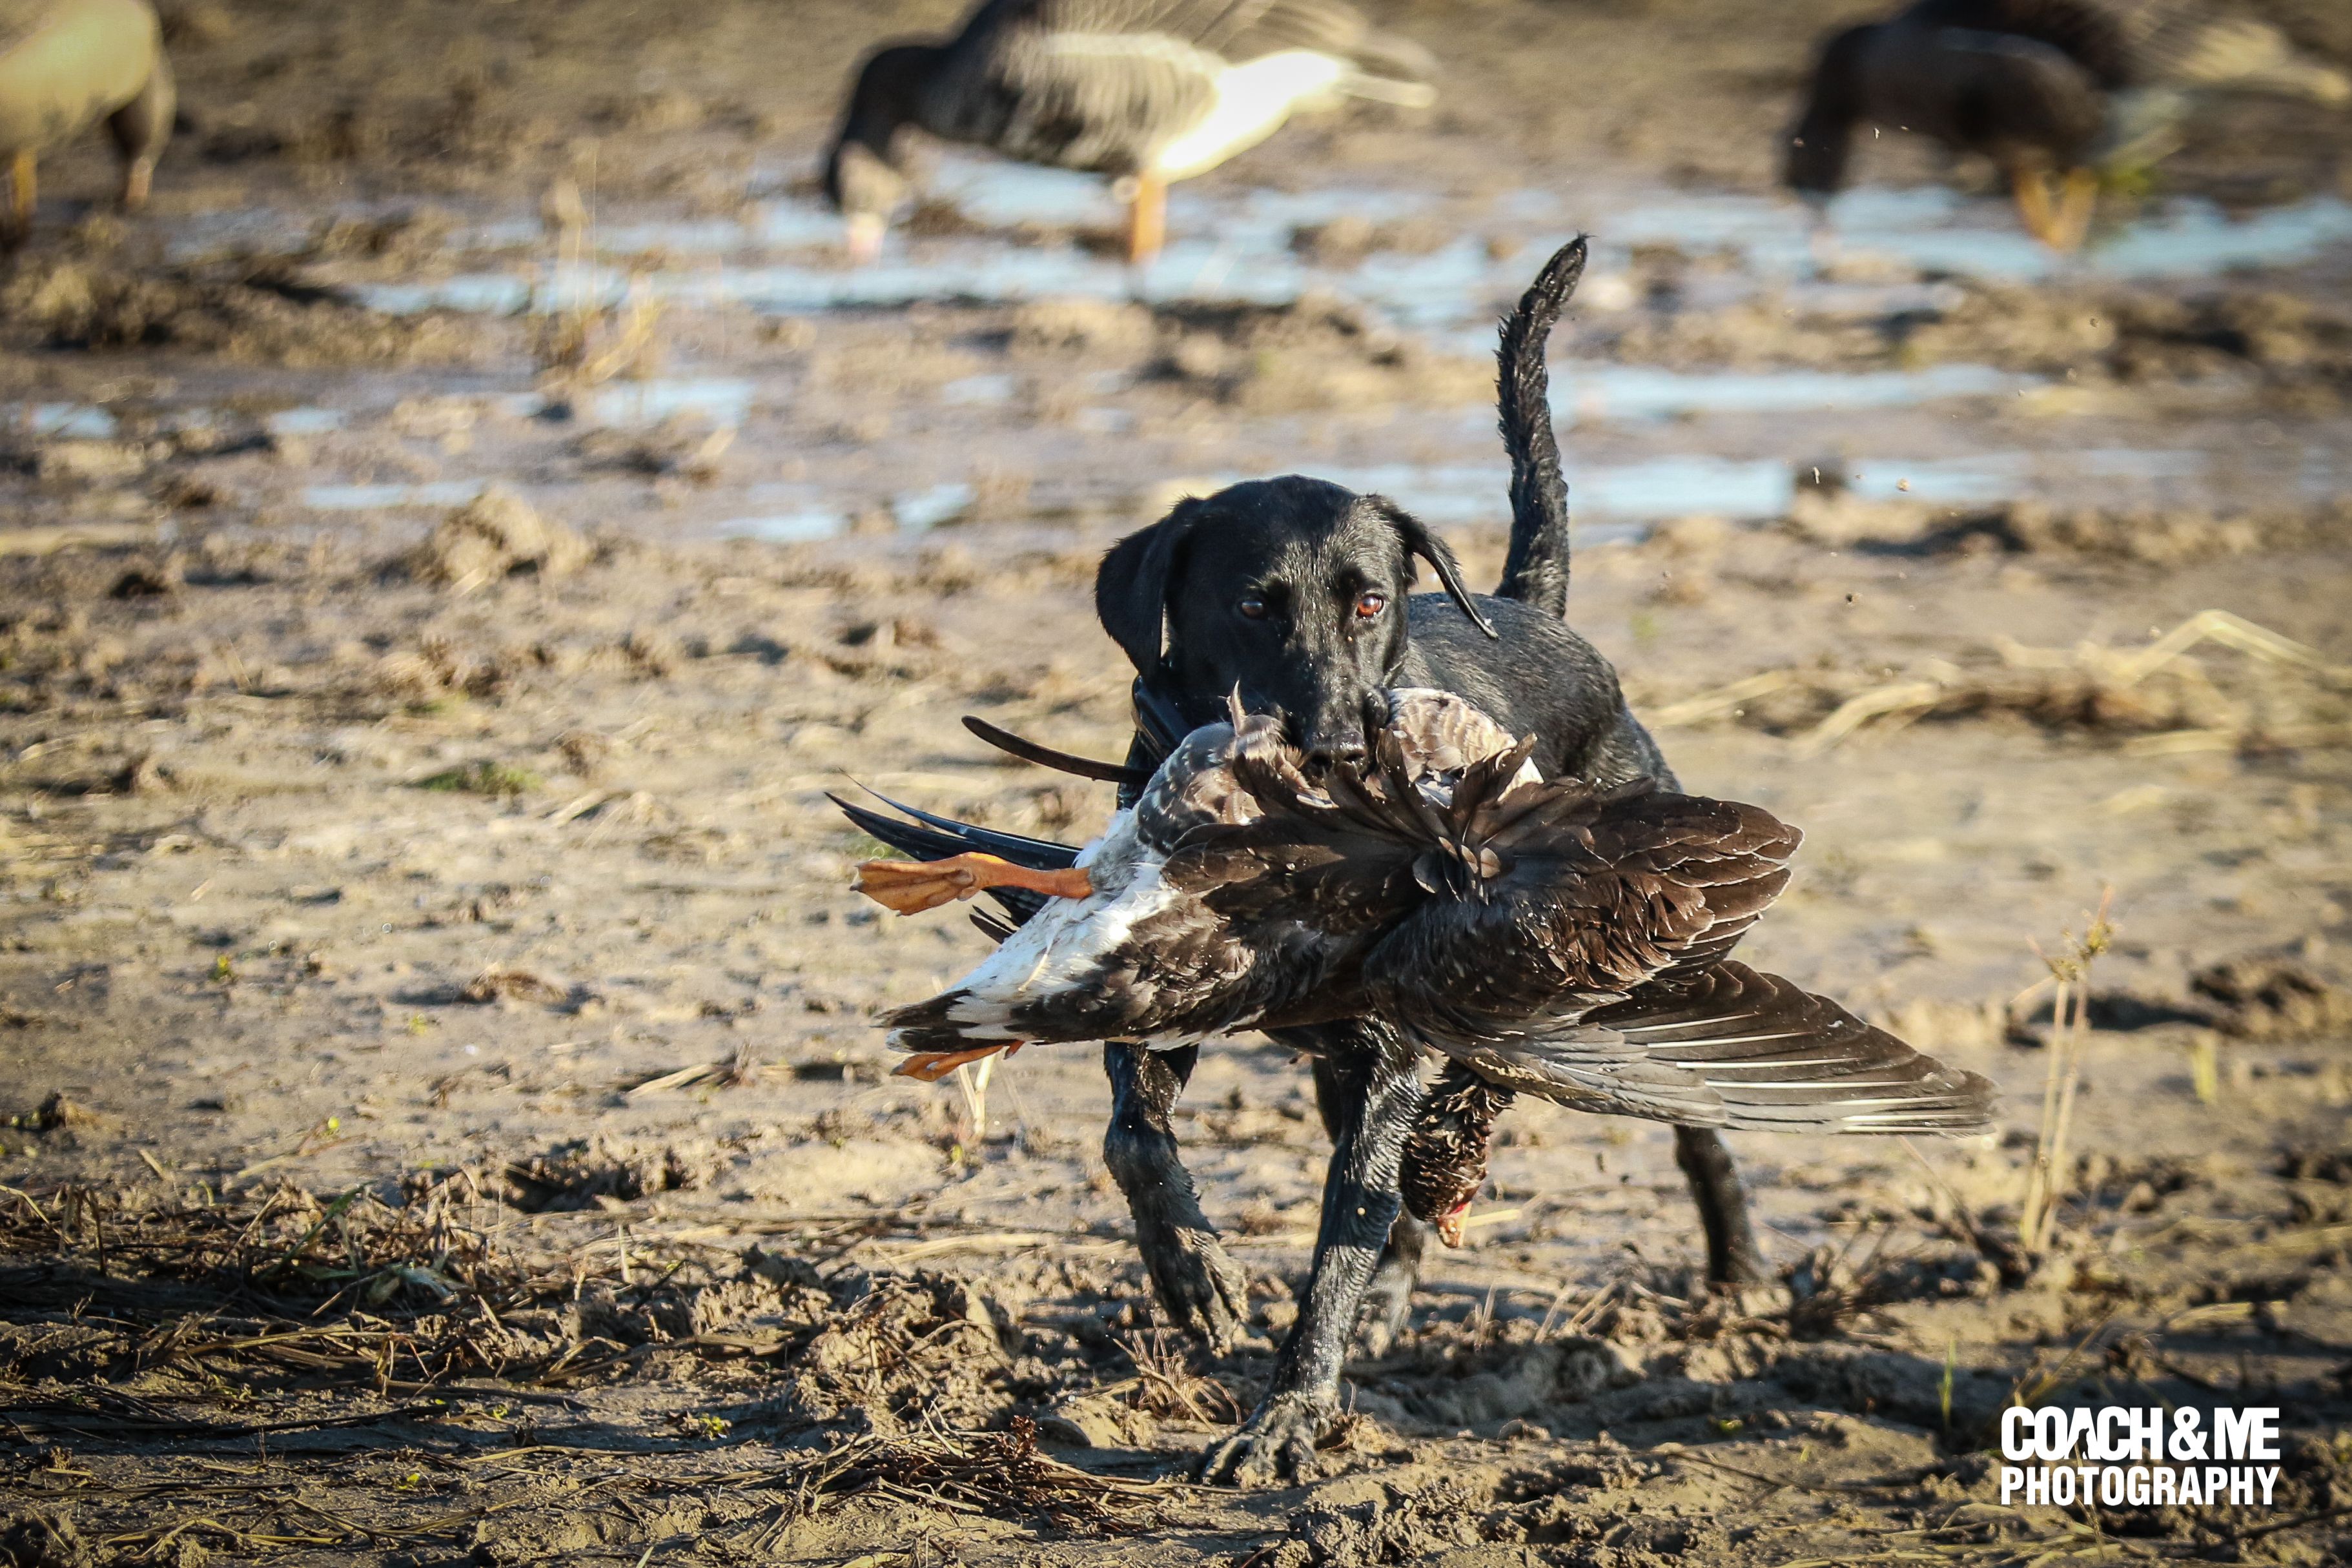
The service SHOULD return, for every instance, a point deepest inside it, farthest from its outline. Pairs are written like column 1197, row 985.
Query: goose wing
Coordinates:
column 2184, row 46
column 2096, row 35
column 1081, row 84
column 1103, row 84
column 1731, row 1047
column 1551, row 900
column 1235, row 30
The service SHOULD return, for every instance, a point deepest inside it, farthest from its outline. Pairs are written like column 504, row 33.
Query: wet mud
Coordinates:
column 458, row 536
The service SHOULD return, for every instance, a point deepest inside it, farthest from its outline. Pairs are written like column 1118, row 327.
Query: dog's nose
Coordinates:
column 1341, row 751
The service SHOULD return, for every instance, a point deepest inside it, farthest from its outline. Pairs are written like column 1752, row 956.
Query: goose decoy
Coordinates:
column 66, row 64
column 2050, row 91
column 1540, row 935
column 1147, row 91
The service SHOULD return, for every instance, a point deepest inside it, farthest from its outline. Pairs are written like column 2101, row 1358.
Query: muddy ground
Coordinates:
column 458, row 537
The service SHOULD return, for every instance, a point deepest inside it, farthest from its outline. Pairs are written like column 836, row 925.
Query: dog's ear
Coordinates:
column 1419, row 542
column 1131, row 584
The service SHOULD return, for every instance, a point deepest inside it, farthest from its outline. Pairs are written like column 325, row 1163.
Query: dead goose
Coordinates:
column 1147, row 91
column 66, row 64
column 2050, row 91
column 1543, row 936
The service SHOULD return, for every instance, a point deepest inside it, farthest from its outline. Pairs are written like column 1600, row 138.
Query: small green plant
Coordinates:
column 499, row 780
column 224, row 971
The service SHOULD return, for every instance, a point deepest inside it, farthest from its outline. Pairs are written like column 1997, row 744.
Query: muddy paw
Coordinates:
column 1202, row 1289
column 1277, row 1443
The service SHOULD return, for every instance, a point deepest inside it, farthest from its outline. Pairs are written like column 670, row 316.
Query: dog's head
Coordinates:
column 1290, row 591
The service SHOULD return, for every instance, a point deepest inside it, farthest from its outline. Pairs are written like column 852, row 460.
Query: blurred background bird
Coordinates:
column 65, row 65
column 2055, row 92
column 1147, row 91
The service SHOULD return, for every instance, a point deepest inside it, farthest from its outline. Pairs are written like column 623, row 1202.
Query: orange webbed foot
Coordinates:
column 930, row 1066
column 909, row 887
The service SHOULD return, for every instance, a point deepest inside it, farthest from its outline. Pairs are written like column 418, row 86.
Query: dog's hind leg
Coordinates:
column 1705, row 1161
column 1201, row 1288
column 1388, row 1300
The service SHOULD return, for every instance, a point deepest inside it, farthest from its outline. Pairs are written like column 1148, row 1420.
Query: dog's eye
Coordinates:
column 1252, row 607
column 1368, row 605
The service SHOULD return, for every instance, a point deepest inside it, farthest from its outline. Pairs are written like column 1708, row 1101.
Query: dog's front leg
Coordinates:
column 1200, row 1288
column 1388, row 1300
column 1378, row 1094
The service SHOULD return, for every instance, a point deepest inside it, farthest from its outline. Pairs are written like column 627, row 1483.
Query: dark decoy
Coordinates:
column 2049, row 90
column 1542, row 936
column 66, row 64
column 1147, row 91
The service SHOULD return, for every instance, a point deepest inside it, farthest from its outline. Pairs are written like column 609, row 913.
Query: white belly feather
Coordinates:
column 1064, row 947
column 1252, row 102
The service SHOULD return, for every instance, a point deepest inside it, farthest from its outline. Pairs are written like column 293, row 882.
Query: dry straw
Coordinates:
column 2070, row 973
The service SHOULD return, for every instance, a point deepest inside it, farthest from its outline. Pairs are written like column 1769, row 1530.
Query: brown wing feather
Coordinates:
column 1760, row 1052
column 1597, row 894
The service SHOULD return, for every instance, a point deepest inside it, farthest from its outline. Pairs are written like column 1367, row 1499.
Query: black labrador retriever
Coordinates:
column 1298, row 594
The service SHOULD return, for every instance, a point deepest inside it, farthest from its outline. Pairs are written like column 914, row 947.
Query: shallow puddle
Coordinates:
column 380, row 498
column 630, row 404
column 69, row 421
column 1588, row 393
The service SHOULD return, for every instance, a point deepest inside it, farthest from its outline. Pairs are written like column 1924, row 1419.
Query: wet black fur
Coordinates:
column 1171, row 595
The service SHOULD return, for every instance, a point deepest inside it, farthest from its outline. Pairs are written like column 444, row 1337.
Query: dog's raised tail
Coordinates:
column 1535, row 571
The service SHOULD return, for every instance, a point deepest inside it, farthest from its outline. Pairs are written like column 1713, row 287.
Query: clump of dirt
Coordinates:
column 1487, row 1384
column 902, row 1350
column 2288, row 344
column 1318, row 352
column 2282, row 694
column 590, row 1173
column 2158, row 536
column 2318, row 1165
column 61, row 1111
column 1346, row 241
column 36, row 1540
column 986, row 1473
column 2284, row 337
column 407, row 237
column 670, row 1312
column 1402, row 1524
column 259, row 312
column 497, row 535
column 1081, row 325
column 500, row 984
column 684, row 445
column 2274, row 998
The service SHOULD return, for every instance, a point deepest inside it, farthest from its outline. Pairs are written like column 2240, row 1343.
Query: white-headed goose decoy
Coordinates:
column 65, row 65
column 2048, row 89
column 1147, row 91
column 1542, row 936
